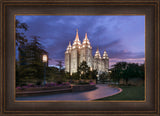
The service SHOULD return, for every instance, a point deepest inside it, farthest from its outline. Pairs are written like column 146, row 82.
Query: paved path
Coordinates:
column 102, row 91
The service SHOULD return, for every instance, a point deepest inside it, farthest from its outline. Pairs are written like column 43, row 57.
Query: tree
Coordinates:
column 68, row 76
column 141, row 71
column 104, row 76
column 59, row 64
column 118, row 71
column 83, row 70
column 75, row 76
column 32, row 68
column 126, row 71
column 21, row 41
column 94, row 74
column 21, row 28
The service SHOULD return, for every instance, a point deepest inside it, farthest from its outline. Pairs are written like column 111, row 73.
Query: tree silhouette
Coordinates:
column 32, row 68
column 126, row 71
column 59, row 64
column 21, row 28
column 83, row 70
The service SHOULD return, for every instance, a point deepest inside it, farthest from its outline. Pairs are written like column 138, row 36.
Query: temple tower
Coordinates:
column 105, row 60
column 86, row 52
column 75, row 54
column 97, row 61
column 68, row 58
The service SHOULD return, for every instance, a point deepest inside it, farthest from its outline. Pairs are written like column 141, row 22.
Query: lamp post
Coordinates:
column 44, row 58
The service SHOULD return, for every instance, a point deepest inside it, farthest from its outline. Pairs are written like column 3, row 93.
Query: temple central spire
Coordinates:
column 86, row 35
column 77, row 42
column 77, row 36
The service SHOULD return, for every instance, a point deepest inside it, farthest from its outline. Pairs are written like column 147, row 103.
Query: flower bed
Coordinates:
column 41, row 87
column 52, row 88
column 31, row 89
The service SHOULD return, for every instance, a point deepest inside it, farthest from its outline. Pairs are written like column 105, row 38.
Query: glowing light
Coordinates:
column 44, row 58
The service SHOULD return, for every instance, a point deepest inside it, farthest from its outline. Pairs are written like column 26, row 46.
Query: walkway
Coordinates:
column 102, row 91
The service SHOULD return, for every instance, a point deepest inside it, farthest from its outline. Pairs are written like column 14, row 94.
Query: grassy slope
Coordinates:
column 128, row 93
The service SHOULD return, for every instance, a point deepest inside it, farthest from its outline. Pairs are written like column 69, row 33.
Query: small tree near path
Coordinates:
column 84, row 70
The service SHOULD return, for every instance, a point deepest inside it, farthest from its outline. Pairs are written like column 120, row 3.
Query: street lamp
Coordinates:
column 44, row 58
column 91, row 69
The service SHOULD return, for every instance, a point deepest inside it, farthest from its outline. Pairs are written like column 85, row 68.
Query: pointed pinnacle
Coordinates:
column 85, row 35
column 77, row 36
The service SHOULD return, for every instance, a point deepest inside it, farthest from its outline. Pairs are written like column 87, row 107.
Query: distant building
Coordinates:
column 77, row 52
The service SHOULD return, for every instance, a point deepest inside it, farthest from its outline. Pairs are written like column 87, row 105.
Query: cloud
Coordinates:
column 113, row 61
column 124, row 54
column 121, row 36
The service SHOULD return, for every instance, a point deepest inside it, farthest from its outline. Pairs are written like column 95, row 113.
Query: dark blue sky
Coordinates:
column 123, row 37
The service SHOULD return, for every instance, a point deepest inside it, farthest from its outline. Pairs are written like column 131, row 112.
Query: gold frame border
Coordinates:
column 87, row 14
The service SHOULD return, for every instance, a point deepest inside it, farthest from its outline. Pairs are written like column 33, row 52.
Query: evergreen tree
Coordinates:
column 21, row 41
column 33, row 69
column 21, row 28
column 83, row 70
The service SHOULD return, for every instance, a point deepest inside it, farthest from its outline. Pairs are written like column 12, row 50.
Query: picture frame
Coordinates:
column 9, row 9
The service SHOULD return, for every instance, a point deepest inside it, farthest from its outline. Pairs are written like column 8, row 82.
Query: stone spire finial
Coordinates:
column 69, row 43
column 77, row 36
column 86, row 42
column 97, row 54
column 77, row 42
column 97, row 48
column 105, row 55
column 86, row 35
column 69, row 47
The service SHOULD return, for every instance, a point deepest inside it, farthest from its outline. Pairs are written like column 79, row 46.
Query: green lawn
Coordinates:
column 128, row 93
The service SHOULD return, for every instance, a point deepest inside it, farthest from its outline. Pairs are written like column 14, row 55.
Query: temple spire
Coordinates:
column 86, row 42
column 68, row 50
column 105, row 55
column 77, row 36
column 97, row 54
column 86, row 35
column 77, row 42
column 69, row 43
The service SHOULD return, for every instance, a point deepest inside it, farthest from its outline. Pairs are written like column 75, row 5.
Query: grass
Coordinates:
column 128, row 93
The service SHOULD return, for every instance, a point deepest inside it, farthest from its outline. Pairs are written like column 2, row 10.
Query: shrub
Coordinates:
column 91, row 83
column 31, row 85
column 59, row 82
column 83, row 83
column 38, row 83
column 18, row 87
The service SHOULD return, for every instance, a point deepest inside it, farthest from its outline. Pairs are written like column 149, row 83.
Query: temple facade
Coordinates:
column 78, row 52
